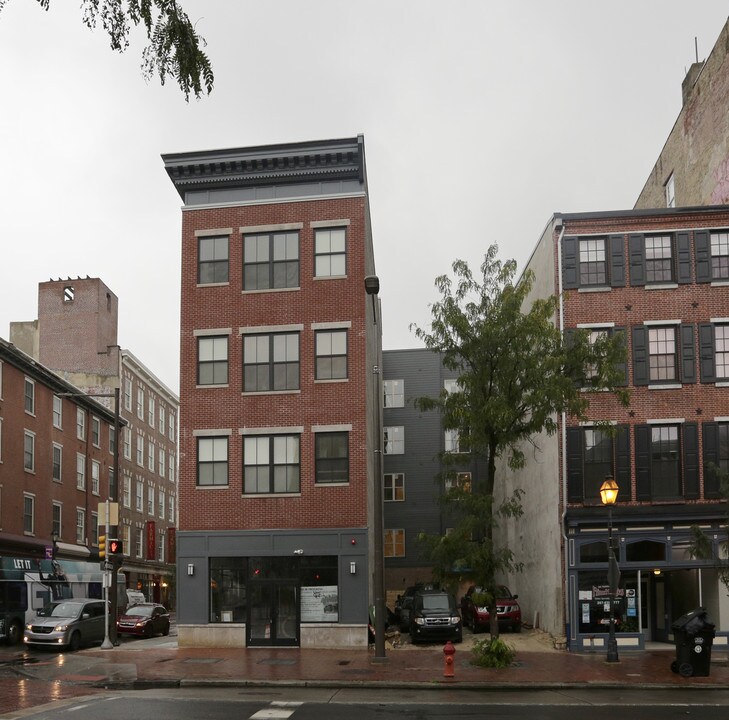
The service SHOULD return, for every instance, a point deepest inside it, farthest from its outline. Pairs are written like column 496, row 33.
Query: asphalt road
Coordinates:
column 363, row 704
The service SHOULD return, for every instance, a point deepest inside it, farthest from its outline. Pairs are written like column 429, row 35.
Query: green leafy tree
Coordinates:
column 174, row 49
column 517, row 373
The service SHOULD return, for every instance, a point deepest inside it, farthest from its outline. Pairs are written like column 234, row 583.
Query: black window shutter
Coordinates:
column 643, row 462
column 622, row 367
column 712, row 483
column 570, row 275
column 688, row 354
column 617, row 261
column 690, row 461
column 640, row 355
column 702, row 249
column 622, row 460
column 683, row 257
column 574, row 465
column 706, row 353
column 637, row 259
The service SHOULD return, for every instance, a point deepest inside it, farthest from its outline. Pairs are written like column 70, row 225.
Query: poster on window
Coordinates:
column 320, row 603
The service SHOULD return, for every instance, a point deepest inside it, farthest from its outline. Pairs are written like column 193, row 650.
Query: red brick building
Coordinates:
column 76, row 335
column 276, row 393
column 661, row 279
column 56, row 460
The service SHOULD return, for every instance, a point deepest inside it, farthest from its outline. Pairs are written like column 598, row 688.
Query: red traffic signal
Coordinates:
column 114, row 547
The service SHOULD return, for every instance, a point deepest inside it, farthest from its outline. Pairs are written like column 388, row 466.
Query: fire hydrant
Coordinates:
column 449, row 660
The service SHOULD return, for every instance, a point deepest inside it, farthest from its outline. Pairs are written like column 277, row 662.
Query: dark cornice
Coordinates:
column 664, row 513
column 267, row 164
column 642, row 213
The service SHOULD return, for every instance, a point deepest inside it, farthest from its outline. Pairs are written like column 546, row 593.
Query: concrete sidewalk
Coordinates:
column 136, row 665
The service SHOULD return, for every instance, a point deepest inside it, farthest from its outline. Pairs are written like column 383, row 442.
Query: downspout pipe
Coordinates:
column 558, row 223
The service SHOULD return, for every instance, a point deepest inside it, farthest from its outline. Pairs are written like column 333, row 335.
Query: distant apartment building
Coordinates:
column 75, row 335
column 278, row 399
column 415, row 474
column 660, row 278
column 693, row 166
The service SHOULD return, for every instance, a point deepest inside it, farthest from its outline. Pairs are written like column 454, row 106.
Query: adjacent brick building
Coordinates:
column 278, row 402
column 75, row 335
column 661, row 279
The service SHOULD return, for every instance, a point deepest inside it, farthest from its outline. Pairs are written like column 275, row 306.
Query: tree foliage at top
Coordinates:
column 517, row 373
column 175, row 48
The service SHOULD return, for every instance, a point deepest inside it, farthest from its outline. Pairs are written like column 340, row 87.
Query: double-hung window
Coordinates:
column 28, row 514
column 29, row 396
column 330, row 252
column 212, row 360
column 665, row 462
column 140, row 449
column 80, row 471
column 95, row 476
column 721, row 351
column 593, row 262
column 331, row 451
column 212, row 461
column 598, row 460
column 95, row 431
column 394, row 487
column 271, row 464
column 271, row 261
column 271, row 362
column 80, row 526
column 80, row 424
column 213, row 255
column 57, row 462
column 720, row 255
column 57, row 412
column 150, row 411
column 29, row 451
column 662, row 355
column 139, row 497
column 331, row 354
column 658, row 259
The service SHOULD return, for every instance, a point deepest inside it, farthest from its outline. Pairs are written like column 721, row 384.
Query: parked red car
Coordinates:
column 507, row 609
column 145, row 619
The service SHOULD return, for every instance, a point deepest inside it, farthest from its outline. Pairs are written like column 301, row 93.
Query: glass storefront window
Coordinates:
column 319, row 589
column 228, row 589
column 594, row 602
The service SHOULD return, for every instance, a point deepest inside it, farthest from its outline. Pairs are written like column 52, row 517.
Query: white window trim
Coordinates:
column 212, row 332
column 330, row 223
column 214, row 232
column 331, row 325
column 660, row 323
column 290, row 430
column 211, row 433
column 331, row 428
column 270, row 329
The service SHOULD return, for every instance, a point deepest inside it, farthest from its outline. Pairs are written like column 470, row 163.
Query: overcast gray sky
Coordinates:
column 480, row 118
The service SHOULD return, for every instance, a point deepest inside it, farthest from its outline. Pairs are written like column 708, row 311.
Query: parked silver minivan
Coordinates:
column 67, row 623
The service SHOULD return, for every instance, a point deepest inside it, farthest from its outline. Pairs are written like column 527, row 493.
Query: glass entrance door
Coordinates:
column 660, row 608
column 273, row 614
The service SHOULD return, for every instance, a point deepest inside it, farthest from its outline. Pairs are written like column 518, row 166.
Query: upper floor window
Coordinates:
column 150, row 411
column 28, row 514
column 95, row 431
column 95, row 476
column 331, row 354
column 330, row 252
column 394, row 391
column 127, row 393
column 662, row 354
column 394, row 440
column 720, row 256
column 212, row 260
column 658, row 259
column 56, row 524
column 212, row 363
column 452, row 441
column 271, row 362
column 127, row 438
column 598, row 460
column 112, row 440
column 665, row 466
column 271, row 464
column 57, row 412
column 461, row 480
column 80, row 424
column 161, row 426
column 671, row 192
column 140, row 403
column 171, row 426
column 140, row 449
column 29, row 451
column 394, row 487
column 139, row 497
column 271, row 261
column 332, row 457
column 29, row 396
column 450, row 385
column 127, row 492
column 57, row 462
column 394, row 542
column 212, row 461
column 593, row 262
column 721, row 351
column 80, row 471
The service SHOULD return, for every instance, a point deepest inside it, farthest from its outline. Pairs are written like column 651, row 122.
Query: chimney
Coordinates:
column 689, row 81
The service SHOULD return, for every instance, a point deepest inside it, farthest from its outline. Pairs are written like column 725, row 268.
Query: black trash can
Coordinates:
column 694, row 636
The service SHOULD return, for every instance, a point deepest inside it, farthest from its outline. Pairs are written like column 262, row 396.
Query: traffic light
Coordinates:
column 116, row 548
column 102, row 547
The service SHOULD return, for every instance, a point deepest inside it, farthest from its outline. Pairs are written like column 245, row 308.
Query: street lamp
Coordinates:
column 608, row 495
column 372, row 287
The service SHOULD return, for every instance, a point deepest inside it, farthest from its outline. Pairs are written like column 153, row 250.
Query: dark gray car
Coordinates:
column 67, row 624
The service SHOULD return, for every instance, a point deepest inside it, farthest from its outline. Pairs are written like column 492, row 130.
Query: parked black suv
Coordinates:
column 434, row 616
column 404, row 604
